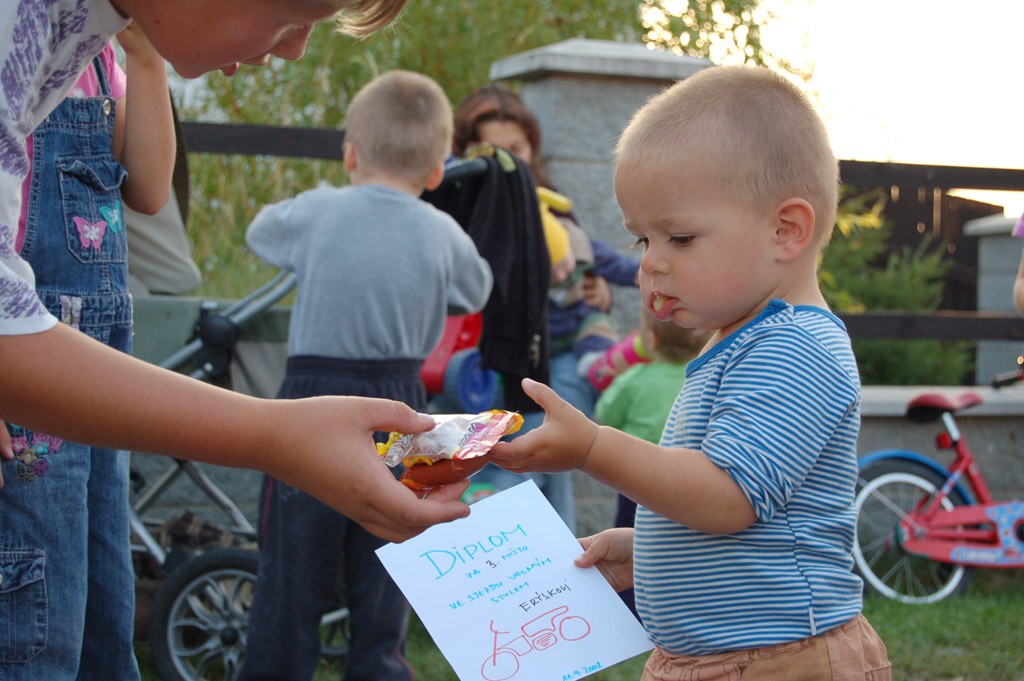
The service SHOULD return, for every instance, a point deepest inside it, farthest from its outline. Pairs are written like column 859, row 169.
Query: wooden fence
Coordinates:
column 261, row 140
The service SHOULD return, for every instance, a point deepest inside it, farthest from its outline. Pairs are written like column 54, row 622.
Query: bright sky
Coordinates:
column 914, row 81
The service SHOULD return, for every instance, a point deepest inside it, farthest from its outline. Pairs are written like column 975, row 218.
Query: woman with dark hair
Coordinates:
column 496, row 114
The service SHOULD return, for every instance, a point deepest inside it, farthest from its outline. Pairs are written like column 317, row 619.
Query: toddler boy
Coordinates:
column 741, row 555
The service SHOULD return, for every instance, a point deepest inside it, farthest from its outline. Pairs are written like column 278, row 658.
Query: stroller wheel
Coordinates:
column 200, row 616
column 473, row 387
column 199, row 624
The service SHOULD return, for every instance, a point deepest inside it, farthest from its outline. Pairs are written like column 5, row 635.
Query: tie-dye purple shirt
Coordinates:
column 44, row 46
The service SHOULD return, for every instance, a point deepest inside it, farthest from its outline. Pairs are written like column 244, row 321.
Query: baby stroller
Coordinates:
column 204, row 576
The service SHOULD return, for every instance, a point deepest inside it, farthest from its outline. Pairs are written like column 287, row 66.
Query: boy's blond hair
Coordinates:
column 747, row 128
column 400, row 123
column 363, row 17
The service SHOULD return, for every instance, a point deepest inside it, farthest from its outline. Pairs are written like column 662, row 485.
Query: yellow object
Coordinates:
column 555, row 234
column 562, row 204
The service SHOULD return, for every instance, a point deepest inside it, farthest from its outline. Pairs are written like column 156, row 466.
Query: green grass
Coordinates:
column 979, row 637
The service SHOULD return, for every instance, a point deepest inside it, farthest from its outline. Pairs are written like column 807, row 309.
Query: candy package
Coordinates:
column 452, row 451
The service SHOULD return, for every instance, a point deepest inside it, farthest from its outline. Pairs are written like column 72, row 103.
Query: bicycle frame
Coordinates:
column 982, row 533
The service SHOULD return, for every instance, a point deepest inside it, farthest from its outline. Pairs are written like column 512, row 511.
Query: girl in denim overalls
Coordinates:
column 68, row 500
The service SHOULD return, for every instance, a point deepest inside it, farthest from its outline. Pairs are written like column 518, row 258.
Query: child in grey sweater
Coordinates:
column 378, row 271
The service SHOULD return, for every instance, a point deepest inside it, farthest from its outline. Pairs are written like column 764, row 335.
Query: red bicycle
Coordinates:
column 922, row 528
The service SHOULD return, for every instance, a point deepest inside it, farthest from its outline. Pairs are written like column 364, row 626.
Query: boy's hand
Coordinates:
column 562, row 443
column 596, row 292
column 612, row 552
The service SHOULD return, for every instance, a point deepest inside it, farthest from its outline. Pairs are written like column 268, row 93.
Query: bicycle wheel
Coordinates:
column 886, row 491
column 201, row 615
column 500, row 666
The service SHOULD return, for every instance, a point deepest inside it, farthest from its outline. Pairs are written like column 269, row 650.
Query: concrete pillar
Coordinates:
column 584, row 92
column 998, row 259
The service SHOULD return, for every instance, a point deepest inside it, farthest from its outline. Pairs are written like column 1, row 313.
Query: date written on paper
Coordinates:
column 581, row 671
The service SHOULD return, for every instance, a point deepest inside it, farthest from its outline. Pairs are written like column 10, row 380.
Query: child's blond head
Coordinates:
column 363, row 17
column 400, row 123
column 749, row 130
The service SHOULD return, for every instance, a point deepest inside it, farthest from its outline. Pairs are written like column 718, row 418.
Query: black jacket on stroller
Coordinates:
column 499, row 210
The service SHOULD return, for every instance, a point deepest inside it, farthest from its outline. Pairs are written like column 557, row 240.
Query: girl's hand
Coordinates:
column 136, row 45
column 612, row 552
column 562, row 442
column 324, row 445
column 6, row 451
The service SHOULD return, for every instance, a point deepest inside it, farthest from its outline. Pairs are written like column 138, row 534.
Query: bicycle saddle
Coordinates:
column 931, row 405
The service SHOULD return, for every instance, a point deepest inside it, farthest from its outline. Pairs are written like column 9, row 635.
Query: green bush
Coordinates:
column 859, row 273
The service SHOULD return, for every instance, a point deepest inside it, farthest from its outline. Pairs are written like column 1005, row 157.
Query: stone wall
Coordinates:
column 998, row 260
column 996, row 437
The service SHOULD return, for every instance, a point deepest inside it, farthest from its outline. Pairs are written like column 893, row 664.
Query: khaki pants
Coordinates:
column 850, row 652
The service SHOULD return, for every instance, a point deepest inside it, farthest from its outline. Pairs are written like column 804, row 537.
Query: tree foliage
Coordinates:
column 859, row 272
column 454, row 42
column 723, row 30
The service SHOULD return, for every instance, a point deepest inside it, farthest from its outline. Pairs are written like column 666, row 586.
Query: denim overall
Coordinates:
column 66, row 579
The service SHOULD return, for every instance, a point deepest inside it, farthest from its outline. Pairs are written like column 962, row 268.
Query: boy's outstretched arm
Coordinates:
column 612, row 552
column 680, row 484
column 64, row 383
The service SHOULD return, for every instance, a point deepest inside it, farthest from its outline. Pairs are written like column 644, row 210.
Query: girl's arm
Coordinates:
column 144, row 134
column 6, row 451
column 66, row 384
column 682, row 485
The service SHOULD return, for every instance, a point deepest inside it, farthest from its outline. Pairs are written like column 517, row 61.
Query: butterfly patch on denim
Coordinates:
column 90, row 234
column 112, row 214
column 32, row 452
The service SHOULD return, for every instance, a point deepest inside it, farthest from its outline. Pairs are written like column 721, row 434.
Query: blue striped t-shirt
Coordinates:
column 777, row 406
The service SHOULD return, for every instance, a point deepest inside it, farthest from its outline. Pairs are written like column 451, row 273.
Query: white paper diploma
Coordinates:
column 502, row 599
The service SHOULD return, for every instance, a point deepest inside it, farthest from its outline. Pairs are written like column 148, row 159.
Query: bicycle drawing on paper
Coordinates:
column 540, row 633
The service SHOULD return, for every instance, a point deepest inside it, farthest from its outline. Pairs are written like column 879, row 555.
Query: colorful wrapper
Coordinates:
column 456, row 436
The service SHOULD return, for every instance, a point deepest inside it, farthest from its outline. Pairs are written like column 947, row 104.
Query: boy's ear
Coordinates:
column 435, row 177
column 794, row 227
column 350, row 157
